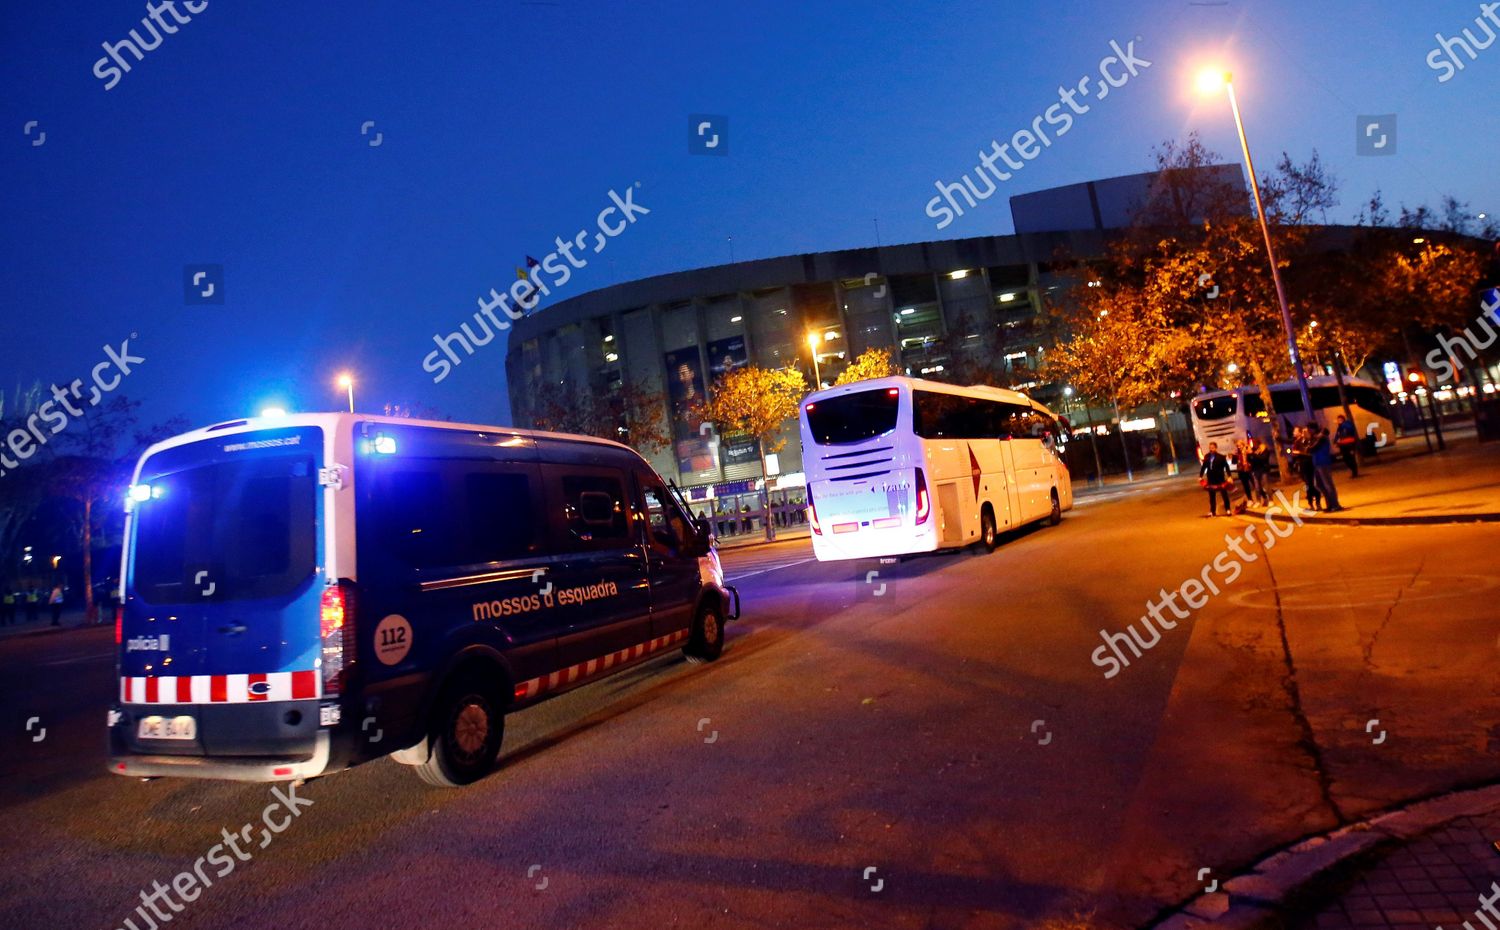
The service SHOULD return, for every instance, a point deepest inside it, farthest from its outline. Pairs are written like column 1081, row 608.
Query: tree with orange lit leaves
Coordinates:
column 755, row 402
column 871, row 363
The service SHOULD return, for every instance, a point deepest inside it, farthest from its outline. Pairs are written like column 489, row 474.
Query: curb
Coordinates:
column 735, row 547
column 1257, row 898
column 1313, row 517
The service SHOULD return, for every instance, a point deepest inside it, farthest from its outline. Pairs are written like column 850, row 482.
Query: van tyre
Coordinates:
column 706, row 639
column 468, row 725
column 989, row 535
column 1056, row 516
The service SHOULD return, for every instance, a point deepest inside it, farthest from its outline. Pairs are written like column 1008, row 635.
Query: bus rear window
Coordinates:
column 1215, row 408
column 849, row 418
column 248, row 528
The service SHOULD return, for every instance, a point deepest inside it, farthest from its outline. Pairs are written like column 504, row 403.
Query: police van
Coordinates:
column 306, row 593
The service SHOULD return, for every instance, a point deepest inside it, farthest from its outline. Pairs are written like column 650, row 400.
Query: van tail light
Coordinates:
column 924, row 505
column 119, row 624
column 812, row 513
column 336, row 627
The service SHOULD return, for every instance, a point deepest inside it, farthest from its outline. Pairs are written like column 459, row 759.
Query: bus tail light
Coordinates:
column 336, row 627
column 924, row 506
column 119, row 624
column 812, row 512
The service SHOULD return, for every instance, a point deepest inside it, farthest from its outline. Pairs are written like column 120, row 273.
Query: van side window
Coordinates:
column 441, row 514
column 594, row 510
column 500, row 524
column 667, row 527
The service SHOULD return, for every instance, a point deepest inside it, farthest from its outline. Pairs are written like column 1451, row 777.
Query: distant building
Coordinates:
column 966, row 304
column 1114, row 202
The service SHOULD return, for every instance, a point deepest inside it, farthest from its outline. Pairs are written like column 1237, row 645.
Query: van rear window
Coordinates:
column 237, row 530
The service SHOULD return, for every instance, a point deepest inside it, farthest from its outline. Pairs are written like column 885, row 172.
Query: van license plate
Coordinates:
column 167, row 728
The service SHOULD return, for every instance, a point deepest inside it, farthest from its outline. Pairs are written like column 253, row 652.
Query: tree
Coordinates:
column 631, row 415
column 756, row 402
column 1121, row 348
column 871, row 363
column 90, row 471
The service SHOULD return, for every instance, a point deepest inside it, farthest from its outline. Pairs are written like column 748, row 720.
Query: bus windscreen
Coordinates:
column 850, row 418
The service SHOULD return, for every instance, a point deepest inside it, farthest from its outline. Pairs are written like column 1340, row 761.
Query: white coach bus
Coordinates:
column 900, row 465
column 1226, row 416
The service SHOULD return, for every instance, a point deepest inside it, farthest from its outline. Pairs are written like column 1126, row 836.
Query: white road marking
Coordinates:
column 728, row 577
column 78, row 659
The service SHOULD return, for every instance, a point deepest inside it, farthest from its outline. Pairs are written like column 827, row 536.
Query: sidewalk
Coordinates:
column 1429, row 865
column 783, row 533
column 1457, row 486
column 72, row 619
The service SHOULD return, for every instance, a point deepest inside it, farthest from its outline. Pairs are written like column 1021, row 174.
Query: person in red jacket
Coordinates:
column 1213, row 474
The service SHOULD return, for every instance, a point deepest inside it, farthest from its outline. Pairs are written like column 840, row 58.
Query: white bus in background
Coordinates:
column 901, row 465
column 1226, row 416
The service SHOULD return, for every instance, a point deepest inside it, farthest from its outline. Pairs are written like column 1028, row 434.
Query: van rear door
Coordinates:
column 222, row 586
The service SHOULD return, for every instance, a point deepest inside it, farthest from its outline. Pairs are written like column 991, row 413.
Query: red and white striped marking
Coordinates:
column 221, row 689
column 566, row 676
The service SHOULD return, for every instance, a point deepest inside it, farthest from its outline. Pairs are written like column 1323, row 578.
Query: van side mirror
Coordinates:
column 705, row 533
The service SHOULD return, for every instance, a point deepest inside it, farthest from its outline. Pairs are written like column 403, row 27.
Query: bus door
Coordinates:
column 1008, row 501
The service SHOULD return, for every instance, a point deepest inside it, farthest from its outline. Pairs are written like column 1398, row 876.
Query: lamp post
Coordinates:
column 812, row 344
column 1210, row 81
column 347, row 383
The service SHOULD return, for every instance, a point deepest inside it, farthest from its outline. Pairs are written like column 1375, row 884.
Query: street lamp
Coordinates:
column 347, row 383
column 1210, row 81
column 812, row 344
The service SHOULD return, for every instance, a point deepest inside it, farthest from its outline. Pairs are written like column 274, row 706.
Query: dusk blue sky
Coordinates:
column 505, row 124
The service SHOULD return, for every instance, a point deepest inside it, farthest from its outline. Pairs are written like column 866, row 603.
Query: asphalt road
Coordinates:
column 929, row 746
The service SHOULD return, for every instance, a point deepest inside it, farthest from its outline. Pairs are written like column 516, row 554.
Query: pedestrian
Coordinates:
column 1322, row 464
column 1213, row 475
column 1260, row 468
column 55, row 602
column 1242, row 451
column 1347, row 439
column 8, row 607
column 33, row 605
column 1301, row 462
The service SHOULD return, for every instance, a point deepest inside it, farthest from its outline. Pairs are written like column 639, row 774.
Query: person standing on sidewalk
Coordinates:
column 1242, row 452
column 8, row 607
column 1322, row 464
column 33, row 605
column 1345, row 437
column 1213, row 474
column 55, row 602
column 1301, row 461
column 1260, row 467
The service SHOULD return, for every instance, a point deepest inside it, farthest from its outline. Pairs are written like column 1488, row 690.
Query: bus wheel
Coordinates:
column 706, row 641
column 1056, row 516
column 468, row 726
column 987, row 532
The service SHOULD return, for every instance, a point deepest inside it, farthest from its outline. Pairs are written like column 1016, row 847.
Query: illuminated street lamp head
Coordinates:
column 1212, row 80
column 812, row 341
column 345, row 381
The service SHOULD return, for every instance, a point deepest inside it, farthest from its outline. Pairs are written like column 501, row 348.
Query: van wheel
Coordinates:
column 1056, row 517
column 468, row 725
column 706, row 641
column 988, row 534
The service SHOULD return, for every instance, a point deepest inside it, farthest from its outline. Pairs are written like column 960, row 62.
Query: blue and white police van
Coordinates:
column 306, row 593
